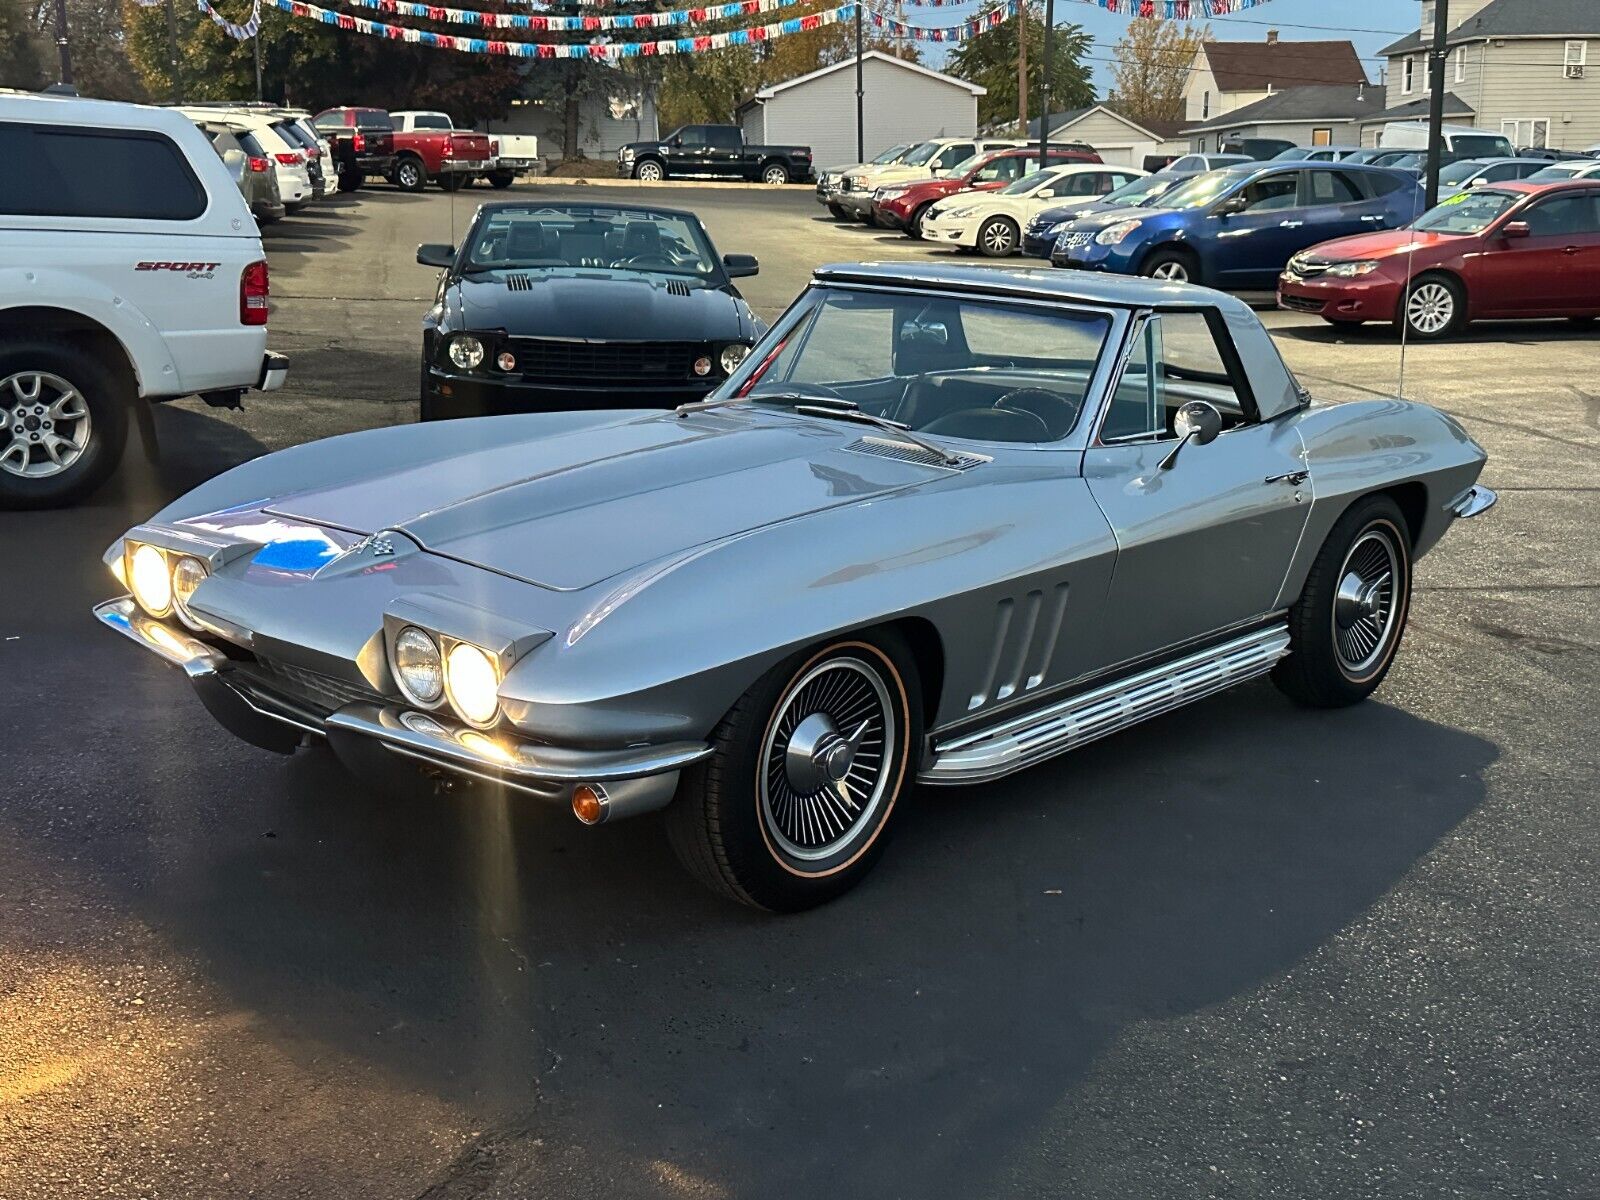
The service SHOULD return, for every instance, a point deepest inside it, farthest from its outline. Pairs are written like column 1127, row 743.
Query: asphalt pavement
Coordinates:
column 1240, row 951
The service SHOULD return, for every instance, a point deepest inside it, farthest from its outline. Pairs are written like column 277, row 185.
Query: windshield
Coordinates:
column 1141, row 191
column 1028, row 183
column 892, row 154
column 1561, row 172
column 556, row 236
column 1466, row 212
column 1481, row 144
column 968, row 165
column 922, row 154
column 1202, row 190
column 1460, row 172
column 957, row 367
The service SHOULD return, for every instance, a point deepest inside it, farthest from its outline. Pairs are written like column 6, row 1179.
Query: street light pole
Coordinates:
column 861, row 93
column 257, row 41
column 61, row 41
column 1436, row 61
column 172, row 53
column 1044, row 75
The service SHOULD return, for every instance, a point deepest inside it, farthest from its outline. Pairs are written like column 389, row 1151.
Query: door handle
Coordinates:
column 1293, row 478
column 1372, row 218
column 1290, row 224
column 1570, row 250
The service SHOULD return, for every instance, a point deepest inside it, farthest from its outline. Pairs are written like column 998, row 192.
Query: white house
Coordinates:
column 1529, row 69
column 904, row 102
column 1229, row 75
column 1317, row 114
column 604, row 124
column 1116, row 138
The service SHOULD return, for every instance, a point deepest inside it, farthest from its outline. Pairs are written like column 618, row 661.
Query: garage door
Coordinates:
column 1123, row 155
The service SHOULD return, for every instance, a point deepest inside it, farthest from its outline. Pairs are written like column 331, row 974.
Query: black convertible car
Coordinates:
column 574, row 306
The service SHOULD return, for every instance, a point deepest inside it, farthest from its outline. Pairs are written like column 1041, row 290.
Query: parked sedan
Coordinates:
column 572, row 306
column 943, row 524
column 1476, row 172
column 1039, row 235
column 1578, row 168
column 1509, row 250
column 1236, row 228
column 1316, row 153
column 903, row 206
column 992, row 222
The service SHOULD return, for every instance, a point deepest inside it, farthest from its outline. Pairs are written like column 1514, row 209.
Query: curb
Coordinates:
column 726, row 185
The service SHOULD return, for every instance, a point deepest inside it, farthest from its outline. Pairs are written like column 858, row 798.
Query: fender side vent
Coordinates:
column 676, row 287
column 519, row 283
column 887, row 447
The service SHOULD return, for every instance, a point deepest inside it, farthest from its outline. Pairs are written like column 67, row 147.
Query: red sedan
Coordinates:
column 901, row 206
column 1511, row 250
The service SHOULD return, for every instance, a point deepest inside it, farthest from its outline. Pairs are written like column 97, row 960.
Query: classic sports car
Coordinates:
column 942, row 524
column 568, row 306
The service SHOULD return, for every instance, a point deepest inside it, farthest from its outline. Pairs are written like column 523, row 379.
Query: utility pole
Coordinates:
column 172, row 53
column 1022, row 69
column 1436, row 61
column 861, row 93
column 1044, row 73
column 61, row 41
column 257, row 41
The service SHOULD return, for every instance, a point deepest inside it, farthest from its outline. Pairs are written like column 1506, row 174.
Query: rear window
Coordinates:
column 373, row 118
column 430, row 121
column 96, row 173
column 293, row 134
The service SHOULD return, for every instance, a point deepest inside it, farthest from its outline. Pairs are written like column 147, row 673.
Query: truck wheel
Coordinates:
column 649, row 170
column 65, row 423
column 775, row 172
column 838, row 213
column 501, row 179
column 351, row 181
column 409, row 175
column 452, row 183
column 793, row 807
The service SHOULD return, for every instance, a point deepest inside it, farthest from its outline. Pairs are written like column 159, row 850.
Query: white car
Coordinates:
column 992, row 222
column 131, row 271
column 1577, row 168
column 288, row 160
column 927, row 161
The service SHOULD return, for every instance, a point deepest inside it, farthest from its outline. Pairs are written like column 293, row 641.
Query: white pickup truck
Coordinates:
column 131, row 271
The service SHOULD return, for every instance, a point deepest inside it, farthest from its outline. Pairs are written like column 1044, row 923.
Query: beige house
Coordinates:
column 1230, row 75
column 1529, row 69
column 1318, row 114
column 1116, row 138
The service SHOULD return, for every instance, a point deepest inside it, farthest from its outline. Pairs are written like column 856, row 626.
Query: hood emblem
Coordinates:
column 381, row 547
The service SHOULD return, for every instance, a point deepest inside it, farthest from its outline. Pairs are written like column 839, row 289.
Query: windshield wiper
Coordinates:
column 780, row 397
column 844, row 410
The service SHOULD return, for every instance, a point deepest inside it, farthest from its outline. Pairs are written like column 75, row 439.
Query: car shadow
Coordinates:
column 572, row 988
column 1506, row 333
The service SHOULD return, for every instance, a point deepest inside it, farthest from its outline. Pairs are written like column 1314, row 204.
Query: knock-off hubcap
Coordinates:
column 1365, row 604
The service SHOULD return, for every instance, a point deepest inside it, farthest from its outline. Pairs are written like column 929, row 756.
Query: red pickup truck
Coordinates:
column 428, row 146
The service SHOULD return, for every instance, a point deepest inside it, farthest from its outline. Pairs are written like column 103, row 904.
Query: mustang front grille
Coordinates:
column 590, row 362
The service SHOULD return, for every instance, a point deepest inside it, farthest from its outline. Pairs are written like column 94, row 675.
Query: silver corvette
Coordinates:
column 941, row 525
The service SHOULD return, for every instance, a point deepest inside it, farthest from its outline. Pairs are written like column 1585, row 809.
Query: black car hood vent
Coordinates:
column 519, row 283
column 886, row 447
column 676, row 287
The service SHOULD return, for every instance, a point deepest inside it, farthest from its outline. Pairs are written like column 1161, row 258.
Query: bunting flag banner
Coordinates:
column 238, row 32
column 542, row 24
column 610, row 51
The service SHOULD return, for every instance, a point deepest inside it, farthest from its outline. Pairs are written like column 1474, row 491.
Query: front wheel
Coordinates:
column 774, row 173
column 1173, row 266
column 65, row 424
column 351, row 181
column 649, row 171
column 1434, row 307
column 793, row 807
column 837, row 213
column 1346, row 627
column 500, row 179
column 914, row 227
column 998, row 237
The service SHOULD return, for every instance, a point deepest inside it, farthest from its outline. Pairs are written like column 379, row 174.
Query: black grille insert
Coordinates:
column 590, row 362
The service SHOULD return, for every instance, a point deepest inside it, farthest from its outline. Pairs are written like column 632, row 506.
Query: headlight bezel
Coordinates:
column 465, row 342
column 1115, row 235
column 420, row 699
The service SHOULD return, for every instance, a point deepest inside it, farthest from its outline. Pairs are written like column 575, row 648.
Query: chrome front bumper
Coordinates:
column 1475, row 500
column 373, row 738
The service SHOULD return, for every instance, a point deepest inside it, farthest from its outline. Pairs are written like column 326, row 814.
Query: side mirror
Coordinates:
column 436, row 254
column 1233, row 204
column 677, row 141
column 1516, row 229
column 740, row 266
column 1198, row 422
column 1478, row 182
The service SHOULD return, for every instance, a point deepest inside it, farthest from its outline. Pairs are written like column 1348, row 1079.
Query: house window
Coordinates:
column 1461, row 63
column 1322, row 137
column 1527, row 131
column 1407, row 74
column 1577, row 56
column 1205, row 105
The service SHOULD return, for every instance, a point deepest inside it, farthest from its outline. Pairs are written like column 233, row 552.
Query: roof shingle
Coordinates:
column 1252, row 66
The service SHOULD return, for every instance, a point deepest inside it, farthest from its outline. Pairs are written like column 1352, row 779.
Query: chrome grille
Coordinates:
column 323, row 692
column 1071, row 241
column 592, row 362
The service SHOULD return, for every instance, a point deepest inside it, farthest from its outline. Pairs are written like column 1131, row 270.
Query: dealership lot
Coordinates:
column 1240, row 951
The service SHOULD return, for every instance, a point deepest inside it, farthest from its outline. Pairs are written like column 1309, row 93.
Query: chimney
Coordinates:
column 1272, row 37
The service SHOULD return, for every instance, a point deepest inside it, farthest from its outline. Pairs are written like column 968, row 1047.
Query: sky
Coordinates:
column 1295, row 20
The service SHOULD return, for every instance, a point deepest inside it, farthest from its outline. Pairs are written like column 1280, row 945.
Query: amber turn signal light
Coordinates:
column 589, row 804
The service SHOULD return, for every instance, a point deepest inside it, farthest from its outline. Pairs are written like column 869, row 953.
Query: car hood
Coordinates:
column 1105, row 218
column 1385, row 245
column 573, row 304
column 566, row 510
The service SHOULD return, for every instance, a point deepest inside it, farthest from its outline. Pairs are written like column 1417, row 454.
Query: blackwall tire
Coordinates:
column 66, row 422
column 999, row 237
column 765, row 820
column 1346, row 627
column 351, row 181
column 649, row 170
column 1171, row 266
column 774, row 174
column 1434, row 307
column 409, row 175
column 500, row 179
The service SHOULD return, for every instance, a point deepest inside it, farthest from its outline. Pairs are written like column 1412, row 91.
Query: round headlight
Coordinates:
column 702, row 365
column 506, row 361
column 417, row 665
column 473, row 684
column 466, row 352
column 732, row 356
column 150, row 580
column 187, row 574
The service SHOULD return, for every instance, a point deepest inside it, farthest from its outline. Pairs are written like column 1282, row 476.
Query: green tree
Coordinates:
column 1153, row 60
column 25, row 60
column 95, row 36
column 990, row 59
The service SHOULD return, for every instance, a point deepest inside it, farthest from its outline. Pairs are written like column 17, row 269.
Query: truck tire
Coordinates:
column 501, row 179
column 453, row 183
column 409, row 174
column 774, row 173
column 351, row 181
column 649, row 170
column 65, row 422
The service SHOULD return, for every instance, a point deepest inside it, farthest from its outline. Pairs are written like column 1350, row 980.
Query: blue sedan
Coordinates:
column 1040, row 234
column 1239, row 226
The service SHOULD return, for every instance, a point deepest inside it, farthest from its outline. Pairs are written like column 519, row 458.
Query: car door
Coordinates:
column 1253, row 231
column 1205, row 543
column 724, row 150
column 1334, row 206
column 689, row 153
column 1554, row 268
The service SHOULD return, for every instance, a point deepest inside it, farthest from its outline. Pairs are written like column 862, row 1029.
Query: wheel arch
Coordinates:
column 47, row 321
column 1441, row 272
column 650, row 158
column 1175, row 247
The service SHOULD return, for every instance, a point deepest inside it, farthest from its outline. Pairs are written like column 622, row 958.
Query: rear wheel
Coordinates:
column 409, row 175
column 1174, row 266
column 793, row 807
column 65, row 417
column 1346, row 627
column 998, row 237
column 1434, row 307
column 453, row 183
column 775, row 173
column 500, row 179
